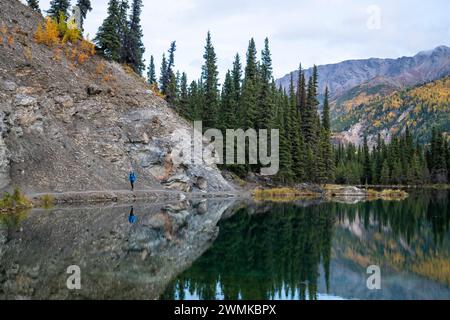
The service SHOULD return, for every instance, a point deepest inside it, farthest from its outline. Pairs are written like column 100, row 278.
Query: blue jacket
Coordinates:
column 132, row 219
column 132, row 177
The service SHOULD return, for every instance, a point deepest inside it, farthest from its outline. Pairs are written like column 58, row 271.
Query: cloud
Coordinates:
column 311, row 32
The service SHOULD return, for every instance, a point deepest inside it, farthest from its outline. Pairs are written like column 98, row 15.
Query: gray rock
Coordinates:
column 93, row 90
column 65, row 101
column 152, row 156
column 201, row 183
column 23, row 100
column 8, row 85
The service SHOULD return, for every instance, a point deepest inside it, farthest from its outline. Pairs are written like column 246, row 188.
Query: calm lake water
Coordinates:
column 229, row 250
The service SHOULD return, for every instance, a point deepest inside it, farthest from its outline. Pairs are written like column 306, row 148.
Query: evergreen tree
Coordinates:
column 183, row 99
column 228, row 104
column 171, row 78
column 85, row 7
column 385, row 179
column 210, row 82
column 58, row 7
column 108, row 38
column 265, row 112
column 151, row 74
column 193, row 101
column 309, row 116
column 236, row 75
column 367, row 164
column 327, row 148
column 295, row 136
column 123, row 29
column 134, row 48
column 249, row 98
column 438, row 161
column 34, row 4
column 164, row 76
column 326, row 113
column 285, row 173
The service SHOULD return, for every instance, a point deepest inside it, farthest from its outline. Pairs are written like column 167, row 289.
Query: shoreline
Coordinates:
column 259, row 193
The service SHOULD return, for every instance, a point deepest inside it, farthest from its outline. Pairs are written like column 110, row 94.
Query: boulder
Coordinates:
column 22, row 100
column 93, row 90
column 8, row 85
column 201, row 183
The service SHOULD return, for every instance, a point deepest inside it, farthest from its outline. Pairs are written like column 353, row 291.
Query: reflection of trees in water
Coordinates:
column 258, row 257
column 421, row 214
column 268, row 255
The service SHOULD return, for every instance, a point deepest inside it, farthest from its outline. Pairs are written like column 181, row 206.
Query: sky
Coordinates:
column 310, row 32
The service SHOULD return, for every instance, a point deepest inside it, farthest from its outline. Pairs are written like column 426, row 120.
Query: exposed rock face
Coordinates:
column 66, row 128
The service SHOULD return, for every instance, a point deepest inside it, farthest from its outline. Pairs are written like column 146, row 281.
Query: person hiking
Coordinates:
column 132, row 178
column 132, row 218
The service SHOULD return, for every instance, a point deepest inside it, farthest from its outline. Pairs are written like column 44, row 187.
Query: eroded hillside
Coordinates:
column 71, row 123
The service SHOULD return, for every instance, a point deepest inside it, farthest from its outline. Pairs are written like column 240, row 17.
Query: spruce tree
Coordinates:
column 193, row 104
column 327, row 148
column 228, row 104
column 367, row 164
column 164, row 76
column 34, row 4
column 123, row 29
column 249, row 98
column 58, row 7
column 134, row 48
column 265, row 112
column 171, row 78
column 326, row 112
column 85, row 7
column 210, row 84
column 236, row 75
column 285, row 173
column 385, row 179
column 151, row 74
column 183, row 99
column 108, row 38
column 295, row 135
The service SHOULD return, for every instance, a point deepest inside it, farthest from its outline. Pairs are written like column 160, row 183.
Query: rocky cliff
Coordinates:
column 74, row 126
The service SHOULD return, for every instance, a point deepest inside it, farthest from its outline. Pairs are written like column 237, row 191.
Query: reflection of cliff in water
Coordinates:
column 321, row 251
column 122, row 254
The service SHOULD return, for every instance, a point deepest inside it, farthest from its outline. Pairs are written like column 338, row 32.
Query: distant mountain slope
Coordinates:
column 402, row 72
column 357, row 87
column 420, row 108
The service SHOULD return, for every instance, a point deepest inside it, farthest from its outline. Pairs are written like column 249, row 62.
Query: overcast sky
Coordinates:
column 311, row 32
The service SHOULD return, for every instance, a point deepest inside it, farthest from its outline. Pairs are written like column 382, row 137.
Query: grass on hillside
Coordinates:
column 14, row 202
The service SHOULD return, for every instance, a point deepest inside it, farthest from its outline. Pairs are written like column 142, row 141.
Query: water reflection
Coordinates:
column 120, row 257
column 322, row 251
column 206, row 249
column 132, row 218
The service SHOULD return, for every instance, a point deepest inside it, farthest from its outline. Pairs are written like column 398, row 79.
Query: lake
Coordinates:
column 210, row 249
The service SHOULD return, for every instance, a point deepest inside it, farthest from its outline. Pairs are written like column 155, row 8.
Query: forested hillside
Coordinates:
column 420, row 108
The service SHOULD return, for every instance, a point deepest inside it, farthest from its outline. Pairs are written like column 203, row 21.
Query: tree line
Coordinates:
column 401, row 161
column 249, row 98
column 60, row 8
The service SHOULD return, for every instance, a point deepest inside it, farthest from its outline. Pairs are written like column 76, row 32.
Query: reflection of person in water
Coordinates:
column 132, row 218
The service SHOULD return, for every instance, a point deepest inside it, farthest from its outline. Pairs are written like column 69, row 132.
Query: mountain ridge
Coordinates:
column 407, row 71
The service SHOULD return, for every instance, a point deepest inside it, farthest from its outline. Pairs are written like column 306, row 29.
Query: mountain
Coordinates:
column 400, row 73
column 420, row 108
column 356, row 86
column 72, row 121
